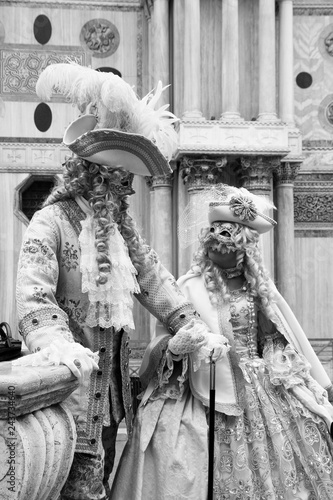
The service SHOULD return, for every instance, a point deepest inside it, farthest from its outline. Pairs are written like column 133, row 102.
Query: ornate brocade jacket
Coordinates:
column 52, row 306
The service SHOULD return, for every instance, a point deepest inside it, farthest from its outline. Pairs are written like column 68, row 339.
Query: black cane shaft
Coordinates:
column 211, row 431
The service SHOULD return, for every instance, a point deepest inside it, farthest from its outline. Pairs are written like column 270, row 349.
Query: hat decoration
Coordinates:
column 126, row 131
column 223, row 203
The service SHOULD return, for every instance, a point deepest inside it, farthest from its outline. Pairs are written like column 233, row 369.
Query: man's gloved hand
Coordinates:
column 80, row 360
column 195, row 337
column 188, row 338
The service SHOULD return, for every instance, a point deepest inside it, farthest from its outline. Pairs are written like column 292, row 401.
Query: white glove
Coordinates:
column 216, row 346
column 196, row 338
column 188, row 338
column 80, row 360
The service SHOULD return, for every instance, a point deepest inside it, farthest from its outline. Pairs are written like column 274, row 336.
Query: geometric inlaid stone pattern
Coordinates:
column 21, row 66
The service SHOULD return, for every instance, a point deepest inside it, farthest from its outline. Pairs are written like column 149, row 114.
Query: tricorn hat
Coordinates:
column 239, row 205
column 115, row 148
column 126, row 131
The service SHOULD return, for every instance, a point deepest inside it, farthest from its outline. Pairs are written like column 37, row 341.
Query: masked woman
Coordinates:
column 273, row 418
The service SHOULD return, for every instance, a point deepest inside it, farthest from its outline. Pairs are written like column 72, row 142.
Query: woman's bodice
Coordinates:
column 243, row 321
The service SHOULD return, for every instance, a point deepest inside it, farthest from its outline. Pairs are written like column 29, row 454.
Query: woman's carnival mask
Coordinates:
column 221, row 237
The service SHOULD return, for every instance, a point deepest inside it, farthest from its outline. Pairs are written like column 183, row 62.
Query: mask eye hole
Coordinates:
column 225, row 233
column 212, row 230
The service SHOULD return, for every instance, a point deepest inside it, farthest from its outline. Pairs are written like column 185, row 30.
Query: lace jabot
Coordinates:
column 111, row 304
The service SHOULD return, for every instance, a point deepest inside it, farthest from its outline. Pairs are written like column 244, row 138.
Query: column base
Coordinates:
column 268, row 117
column 195, row 114
column 231, row 116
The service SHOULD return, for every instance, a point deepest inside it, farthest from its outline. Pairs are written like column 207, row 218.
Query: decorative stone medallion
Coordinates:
column 325, row 113
column 100, row 37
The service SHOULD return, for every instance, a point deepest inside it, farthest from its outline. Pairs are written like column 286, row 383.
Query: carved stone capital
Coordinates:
column 199, row 172
column 256, row 172
column 286, row 172
column 159, row 181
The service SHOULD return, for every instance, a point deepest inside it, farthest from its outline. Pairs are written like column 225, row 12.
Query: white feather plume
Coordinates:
column 116, row 102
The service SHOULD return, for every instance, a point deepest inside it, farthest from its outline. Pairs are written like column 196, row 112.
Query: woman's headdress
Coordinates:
column 223, row 203
column 127, row 131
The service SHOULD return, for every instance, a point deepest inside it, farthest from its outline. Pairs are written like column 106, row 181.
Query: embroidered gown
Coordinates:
column 276, row 449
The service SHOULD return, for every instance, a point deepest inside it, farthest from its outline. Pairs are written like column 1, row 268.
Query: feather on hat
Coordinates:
column 118, row 110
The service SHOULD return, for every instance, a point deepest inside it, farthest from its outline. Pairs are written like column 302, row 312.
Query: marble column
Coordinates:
column 192, row 62
column 161, row 217
column 267, row 83
column 285, row 176
column 148, row 7
column 161, row 237
column 230, row 61
column 286, row 62
column 198, row 173
column 256, row 174
column 160, row 38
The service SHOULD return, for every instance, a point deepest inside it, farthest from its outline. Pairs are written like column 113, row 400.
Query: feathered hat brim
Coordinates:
column 114, row 148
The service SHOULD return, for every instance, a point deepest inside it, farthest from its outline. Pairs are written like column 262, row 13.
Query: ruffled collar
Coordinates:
column 110, row 304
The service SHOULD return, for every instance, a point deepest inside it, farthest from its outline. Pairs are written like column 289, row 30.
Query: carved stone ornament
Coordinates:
column 256, row 172
column 286, row 172
column 313, row 201
column 100, row 37
column 159, row 181
column 200, row 172
column 325, row 113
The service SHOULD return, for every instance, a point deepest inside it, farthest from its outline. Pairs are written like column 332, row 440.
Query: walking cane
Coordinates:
column 211, row 428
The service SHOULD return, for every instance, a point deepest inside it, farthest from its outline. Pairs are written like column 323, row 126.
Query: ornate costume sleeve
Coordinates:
column 41, row 321
column 161, row 295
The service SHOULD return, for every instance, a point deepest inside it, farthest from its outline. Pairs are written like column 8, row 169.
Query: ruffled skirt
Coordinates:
column 277, row 449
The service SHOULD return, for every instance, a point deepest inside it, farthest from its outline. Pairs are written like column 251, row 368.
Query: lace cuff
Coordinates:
column 53, row 354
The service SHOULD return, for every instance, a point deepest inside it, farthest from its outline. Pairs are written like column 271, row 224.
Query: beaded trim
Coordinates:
column 180, row 317
column 41, row 318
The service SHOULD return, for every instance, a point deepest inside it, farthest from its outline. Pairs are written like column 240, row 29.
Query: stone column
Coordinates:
column 256, row 174
column 285, row 176
column 267, row 84
column 161, row 217
column 286, row 62
column 192, row 65
column 230, row 61
column 198, row 173
column 148, row 7
column 160, row 47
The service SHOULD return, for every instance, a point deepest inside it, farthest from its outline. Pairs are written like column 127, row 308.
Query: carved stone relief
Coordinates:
column 100, row 37
column 20, row 68
column 199, row 172
column 325, row 42
column 313, row 201
column 325, row 112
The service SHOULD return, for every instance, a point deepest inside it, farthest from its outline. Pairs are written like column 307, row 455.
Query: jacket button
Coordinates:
column 92, row 441
column 95, row 418
column 99, row 373
column 101, row 329
column 103, row 349
column 35, row 321
column 54, row 316
column 182, row 316
column 98, row 395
